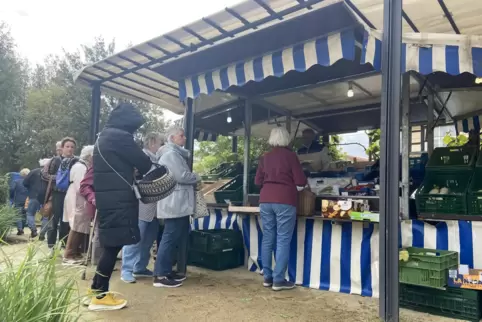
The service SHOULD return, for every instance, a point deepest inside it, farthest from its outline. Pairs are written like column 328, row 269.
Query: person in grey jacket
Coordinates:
column 136, row 257
column 176, row 209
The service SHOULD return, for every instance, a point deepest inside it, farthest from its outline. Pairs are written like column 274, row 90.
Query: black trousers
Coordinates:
column 105, row 267
column 56, row 225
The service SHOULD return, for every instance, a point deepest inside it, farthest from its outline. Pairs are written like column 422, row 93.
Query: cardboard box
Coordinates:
column 459, row 279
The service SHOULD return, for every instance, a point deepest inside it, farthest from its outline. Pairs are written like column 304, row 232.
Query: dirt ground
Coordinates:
column 233, row 295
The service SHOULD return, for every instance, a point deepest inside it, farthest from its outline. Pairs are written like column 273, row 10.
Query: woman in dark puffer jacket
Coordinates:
column 116, row 157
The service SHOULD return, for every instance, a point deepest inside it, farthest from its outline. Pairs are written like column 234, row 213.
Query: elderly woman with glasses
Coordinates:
column 280, row 176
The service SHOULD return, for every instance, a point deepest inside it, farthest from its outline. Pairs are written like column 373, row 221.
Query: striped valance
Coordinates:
column 323, row 51
column 429, row 53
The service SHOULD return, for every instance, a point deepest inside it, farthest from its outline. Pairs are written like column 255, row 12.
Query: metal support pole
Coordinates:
column 389, row 159
column 430, row 121
column 404, row 207
column 247, row 144
column 325, row 139
column 234, row 147
column 288, row 124
column 94, row 113
column 189, row 128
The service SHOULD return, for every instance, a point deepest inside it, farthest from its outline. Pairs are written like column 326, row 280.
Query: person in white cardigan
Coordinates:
column 75, row 209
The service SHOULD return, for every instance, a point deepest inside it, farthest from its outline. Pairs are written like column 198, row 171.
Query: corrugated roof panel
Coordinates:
column 428, row 15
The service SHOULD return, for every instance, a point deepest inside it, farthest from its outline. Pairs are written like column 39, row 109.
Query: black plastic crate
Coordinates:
column 217, row 261
column 215, row 240
column 454, row 303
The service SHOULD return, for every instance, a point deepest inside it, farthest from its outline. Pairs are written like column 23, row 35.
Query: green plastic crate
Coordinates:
column 453, row 302
column 217, row 261
column 215, row 240
column 232, row 191
column 454, row 203
column 424, row 258
column 452, row 158
column 423, row 277
column 474, row 196
column 224, row 170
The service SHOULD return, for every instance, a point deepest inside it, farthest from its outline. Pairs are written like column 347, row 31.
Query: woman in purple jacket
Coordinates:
column 280, row 176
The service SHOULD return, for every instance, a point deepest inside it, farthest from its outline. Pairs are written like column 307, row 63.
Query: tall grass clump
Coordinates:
column 8, row 218
column 33, row 289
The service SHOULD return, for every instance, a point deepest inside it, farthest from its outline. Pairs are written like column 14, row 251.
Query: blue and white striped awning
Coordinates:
column 429, row 53
column 323, row 51
column 468, row 123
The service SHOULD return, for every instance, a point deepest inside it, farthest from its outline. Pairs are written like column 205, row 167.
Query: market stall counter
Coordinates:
column 340, row 255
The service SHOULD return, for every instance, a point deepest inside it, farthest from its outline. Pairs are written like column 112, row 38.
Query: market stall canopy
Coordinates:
column 150, row 71
column 429, row 53
column 426, row 16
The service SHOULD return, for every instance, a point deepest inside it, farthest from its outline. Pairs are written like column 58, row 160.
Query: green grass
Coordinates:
column 8, row 218
column 34, row 289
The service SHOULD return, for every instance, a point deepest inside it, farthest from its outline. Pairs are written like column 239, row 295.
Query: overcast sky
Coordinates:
column 46, row 27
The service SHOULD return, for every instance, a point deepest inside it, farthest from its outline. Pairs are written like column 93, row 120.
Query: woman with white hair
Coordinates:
column 75, row 210
column 280, row 176
column 175, row 209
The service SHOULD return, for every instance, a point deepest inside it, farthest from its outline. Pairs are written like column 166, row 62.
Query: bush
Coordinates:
column 4, row 191
column 8, row 218
column 35, row 290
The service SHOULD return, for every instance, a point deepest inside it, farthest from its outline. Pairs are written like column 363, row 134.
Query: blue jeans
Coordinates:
column 135, row 258
column 278, row 224
column 33, row 207
column 175, row 235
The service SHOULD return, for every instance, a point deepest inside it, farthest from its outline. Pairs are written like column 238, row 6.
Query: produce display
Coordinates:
column 439, row 191
column 343, row 208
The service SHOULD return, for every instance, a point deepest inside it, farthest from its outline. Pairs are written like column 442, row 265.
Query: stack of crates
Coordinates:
column 427, row 267
column 224, row 170
column 475, row 190
column 451, row 168
column 232, row 191
column 416, row 164
column 423, row 280
column 454, row 303
column 216, row 249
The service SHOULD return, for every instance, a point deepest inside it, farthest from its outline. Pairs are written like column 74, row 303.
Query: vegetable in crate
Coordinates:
column 435, row 191
column 441, row 191
column 403, row 255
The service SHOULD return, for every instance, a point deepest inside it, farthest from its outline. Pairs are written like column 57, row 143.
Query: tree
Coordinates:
column 335, row 150
column 40, row 107
column 208, row 155
column 373, row 150
column 13, row 84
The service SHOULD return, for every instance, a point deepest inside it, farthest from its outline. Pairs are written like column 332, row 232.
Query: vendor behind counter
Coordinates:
column 313, row 154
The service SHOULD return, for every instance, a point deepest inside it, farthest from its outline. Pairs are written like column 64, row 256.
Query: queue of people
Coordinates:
column 99, row 186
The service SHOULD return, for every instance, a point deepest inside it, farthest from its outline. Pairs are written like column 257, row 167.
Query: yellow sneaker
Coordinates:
column 88, row 297
column 108, row 303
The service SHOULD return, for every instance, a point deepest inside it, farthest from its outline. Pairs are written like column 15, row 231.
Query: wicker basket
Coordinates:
column 156, row 185
column 306, row 203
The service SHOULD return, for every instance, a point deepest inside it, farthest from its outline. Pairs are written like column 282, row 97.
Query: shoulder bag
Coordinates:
column 46, row 210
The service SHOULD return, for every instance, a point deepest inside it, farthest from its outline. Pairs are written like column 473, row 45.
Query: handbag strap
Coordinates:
column 47, row 193
column 112, row 168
